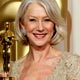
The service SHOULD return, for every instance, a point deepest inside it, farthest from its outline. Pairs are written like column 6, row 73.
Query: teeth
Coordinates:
column 39, row 36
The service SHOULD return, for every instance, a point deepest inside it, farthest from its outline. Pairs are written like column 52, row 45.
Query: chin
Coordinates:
column 41, row 43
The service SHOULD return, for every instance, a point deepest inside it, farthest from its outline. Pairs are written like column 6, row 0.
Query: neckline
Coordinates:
column 54, row 69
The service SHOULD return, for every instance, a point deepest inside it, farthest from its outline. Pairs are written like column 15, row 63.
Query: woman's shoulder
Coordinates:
column 15, row 67
column 70, row 58
column 72, row 63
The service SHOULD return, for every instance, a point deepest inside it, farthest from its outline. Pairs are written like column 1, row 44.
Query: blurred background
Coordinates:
column 70, row 12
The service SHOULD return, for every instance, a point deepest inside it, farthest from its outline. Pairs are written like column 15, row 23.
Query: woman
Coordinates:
column 36, row 25
column 39, row 24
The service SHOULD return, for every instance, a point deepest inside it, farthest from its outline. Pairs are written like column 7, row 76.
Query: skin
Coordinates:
column 3, row 74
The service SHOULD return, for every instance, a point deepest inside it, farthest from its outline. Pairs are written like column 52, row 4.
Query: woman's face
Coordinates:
column 38, row 26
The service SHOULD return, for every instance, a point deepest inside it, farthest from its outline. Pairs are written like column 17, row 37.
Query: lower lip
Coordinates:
column 39, row 36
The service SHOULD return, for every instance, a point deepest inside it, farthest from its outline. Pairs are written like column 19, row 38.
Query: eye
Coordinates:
column 32, row 19
column 47, row 20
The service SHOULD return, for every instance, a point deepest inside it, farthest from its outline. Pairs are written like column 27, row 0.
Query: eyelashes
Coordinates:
column 34, row 20
column 47, row 20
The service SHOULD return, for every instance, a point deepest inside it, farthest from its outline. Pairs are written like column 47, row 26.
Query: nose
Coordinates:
column 40, row 26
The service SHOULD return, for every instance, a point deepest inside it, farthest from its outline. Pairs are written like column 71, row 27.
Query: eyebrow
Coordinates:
column 36, row 16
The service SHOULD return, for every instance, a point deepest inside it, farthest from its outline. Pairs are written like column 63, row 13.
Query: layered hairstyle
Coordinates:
column 54, row 13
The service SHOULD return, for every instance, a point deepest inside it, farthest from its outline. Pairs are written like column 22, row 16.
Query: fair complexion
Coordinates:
column 39, row 30
column 39, row 27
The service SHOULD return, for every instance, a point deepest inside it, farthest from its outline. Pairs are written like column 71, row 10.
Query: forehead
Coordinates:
column 35, row 8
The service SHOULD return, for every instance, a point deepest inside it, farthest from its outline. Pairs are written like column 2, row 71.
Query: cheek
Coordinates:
column 51, row 28
column 28, row 27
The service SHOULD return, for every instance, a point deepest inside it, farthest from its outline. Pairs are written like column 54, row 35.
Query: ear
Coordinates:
column 21, row 24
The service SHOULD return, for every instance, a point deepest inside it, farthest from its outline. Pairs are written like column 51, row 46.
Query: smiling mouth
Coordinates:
column 39, row 36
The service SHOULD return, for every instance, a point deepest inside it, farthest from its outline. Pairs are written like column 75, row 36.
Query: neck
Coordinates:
column 39, row 53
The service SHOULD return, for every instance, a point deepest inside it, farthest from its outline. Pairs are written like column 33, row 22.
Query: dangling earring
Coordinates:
column 23, row 30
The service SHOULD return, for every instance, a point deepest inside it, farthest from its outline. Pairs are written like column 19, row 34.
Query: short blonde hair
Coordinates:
column 53, row 11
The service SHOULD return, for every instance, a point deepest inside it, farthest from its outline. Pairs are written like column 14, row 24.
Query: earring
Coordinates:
column 23, row 30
